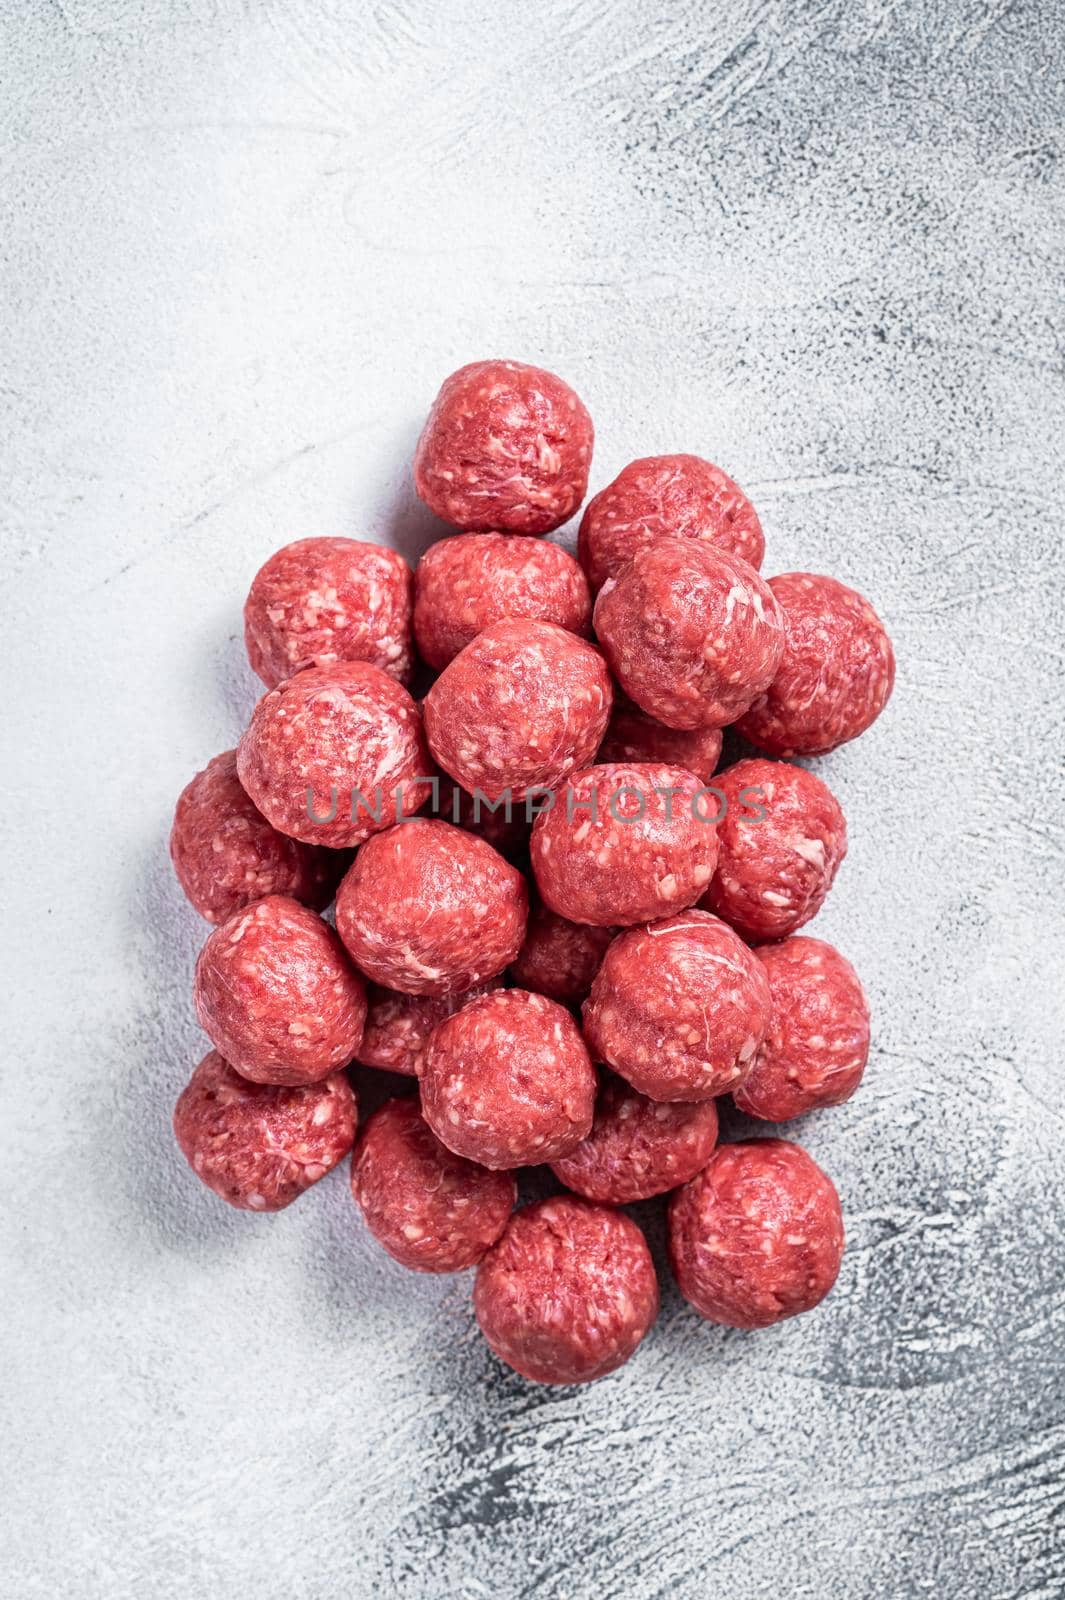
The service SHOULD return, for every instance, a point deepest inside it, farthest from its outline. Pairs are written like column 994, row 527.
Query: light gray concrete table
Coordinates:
column 240, row 244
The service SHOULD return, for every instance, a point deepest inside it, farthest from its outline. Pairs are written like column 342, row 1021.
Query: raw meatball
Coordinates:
column 817, row 1045
column 634, row 736
column 463, row 585
column 658, row 497
column 257, row 1145
column 507, row 1081
column 429, row 909
column 430, row 1209
column 691, row 633
column 625, row 844
column 277, row 996
column 504, row 823
column 398, row 1026
column 679, row 1008
column 319, row 601
column 782, row 839
column 835, row 675
column 505, row 446
column 757, row 1236
column 226, row 854
column 559, row 958
column 638, row 1147
column 334, row 754
column 568, row 1292
column 518, row 709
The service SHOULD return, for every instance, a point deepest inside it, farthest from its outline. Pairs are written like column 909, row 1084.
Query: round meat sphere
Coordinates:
column 757, row 1235
column 692, row 634
column 568, row 1292
column 507, row 1081
column 259, row 1146
column 398, row 1026
column 835, row 675
column 782, row 839
column 320, row 601
column 817, row 1044
column 431, row 1210
column 638, row 1147
column 559, row 958
column 634, row 736
column 429, row 909
column 663, row 497
column 518, row 709
column 679, row 1008
column 334, row 754
column 226, row 854
column 277, row 996
column 625, row 844
column 505, row 447
column 464, row 584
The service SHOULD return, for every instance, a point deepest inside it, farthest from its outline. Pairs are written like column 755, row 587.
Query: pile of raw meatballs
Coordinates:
column 550, row 915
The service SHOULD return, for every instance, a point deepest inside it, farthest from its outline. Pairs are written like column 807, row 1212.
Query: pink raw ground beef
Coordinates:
column 429, row 909
column 815, row 1050
column 559, row 958
column 782, row 839
column 320, row 601
column 679, row 1008
column 276, row 994
column 634, row 736
column 334, row 753
column 568, row 1293
column 502, row 823
column 692, row 634
column 507, row 1081
column 226, row 854
column 259, row 1146
column 625, row 844
column 757, row 1236
column 463, row 585
column 505, row 447
column 662, row 497
column 518, row 709
column 398, row 1026
column 638, row 1147
column 835, row 675
column 431, row 1210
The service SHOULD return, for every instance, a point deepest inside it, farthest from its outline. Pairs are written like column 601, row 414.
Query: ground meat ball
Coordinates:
column 277, row 996
column 429, row 909
column 431, row 1210
column 638, row 1147
column 782, row 839
column 346, row 740
column 319, row 601
column 692, row 634
column 463, row 585
column 559, row 958
column 226, row 854
column 835, row 675
column 505, row 826
column 658, row 497
column 817, row 1045
column 398, row 1026
column 259, row 1146
column 679, row 1008
column 568, row 1292
column 507, row 1081
column 634, row 736
column 518, row 709
column 757, row 1236
column 625, row 844
column 505, row 447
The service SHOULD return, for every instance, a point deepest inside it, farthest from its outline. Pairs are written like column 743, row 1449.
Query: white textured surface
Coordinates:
column 240, row 244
